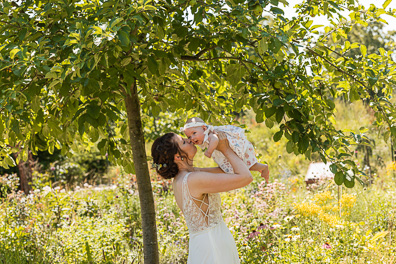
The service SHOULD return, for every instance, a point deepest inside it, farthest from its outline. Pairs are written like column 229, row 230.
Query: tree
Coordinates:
column 69, row 67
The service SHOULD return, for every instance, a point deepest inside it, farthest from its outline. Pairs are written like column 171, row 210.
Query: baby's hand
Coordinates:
column 208, row 154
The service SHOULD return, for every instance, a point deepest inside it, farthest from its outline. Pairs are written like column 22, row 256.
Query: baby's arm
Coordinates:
column 213, row 141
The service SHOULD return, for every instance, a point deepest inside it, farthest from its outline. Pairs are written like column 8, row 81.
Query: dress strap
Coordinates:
column 201, row 202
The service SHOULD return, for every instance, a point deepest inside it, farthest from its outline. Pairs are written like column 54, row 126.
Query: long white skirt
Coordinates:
column 213, row 246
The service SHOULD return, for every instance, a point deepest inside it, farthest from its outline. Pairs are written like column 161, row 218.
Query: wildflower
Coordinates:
column 323, row 197
column 289, row 217
column 276, row 225
column 253, row 234
column 348, row 200
column 308, row 209
column 46, row 189
column 330, row 219
column 262, row 226
column 296, row 237
column 326, row 245
column 295, row 229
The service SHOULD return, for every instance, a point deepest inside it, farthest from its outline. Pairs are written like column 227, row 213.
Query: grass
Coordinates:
column 282, row 222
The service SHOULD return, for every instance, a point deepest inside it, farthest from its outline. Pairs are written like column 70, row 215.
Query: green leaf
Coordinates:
column 126, row 61
column 124, row 38
column 363, row 49
column 22, row 34
column 386, row 3
column 93, row 135
column 81, row 124
column 277, row 10
column 278, row 135
column 393, row 131
column 289, row 147
column 93, row 110
column 278, row 102
column 9, row 161
column 295, row 136
column 101, row 145
column 349, row 184
column 194, row 44
column 51, row 75
column 303, row 144
column 372, row 80
column 308, row 24
column 150, row 8
column 13, row 53
column 259, row 117
column 97, row 30
column 353, row 95
column 152, row 65
column 279, row 114
column 330, row 103
column 339, row 178
column 269, row 123
column 262, row 46
column 270, row 112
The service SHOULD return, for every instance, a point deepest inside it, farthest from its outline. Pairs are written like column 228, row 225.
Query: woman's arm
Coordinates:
column 211, row 170
column 206, row 182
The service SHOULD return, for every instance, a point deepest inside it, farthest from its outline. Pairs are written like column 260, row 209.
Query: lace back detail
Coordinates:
column 197, row 218
column 202, row 202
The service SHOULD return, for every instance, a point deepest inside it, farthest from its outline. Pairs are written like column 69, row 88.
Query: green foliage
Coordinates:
column 66, row 66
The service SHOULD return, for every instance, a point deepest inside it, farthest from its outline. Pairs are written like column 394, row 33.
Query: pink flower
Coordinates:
column 262, row 226
column 326, row 245
column 253, row 234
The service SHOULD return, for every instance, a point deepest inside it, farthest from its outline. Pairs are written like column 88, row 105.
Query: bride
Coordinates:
column 197, row 195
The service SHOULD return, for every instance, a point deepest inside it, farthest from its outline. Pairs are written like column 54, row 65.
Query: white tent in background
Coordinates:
column 318, row 171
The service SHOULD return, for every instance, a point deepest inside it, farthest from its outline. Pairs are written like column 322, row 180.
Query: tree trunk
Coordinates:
column 146, row 198
column 25, row 174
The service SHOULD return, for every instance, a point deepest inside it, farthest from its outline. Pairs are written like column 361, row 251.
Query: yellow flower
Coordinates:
column 308, row 209
column 348, row 200
column 321, row 198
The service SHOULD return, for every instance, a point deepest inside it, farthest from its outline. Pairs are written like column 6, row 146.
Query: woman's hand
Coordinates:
column 223, row 142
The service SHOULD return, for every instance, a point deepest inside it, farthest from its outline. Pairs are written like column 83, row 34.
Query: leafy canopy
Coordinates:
column 66, row 66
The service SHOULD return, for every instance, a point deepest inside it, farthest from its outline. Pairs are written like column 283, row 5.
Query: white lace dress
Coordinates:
column 211, row 241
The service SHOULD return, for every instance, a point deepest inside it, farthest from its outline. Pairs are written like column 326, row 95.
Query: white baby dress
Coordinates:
column 238, row 143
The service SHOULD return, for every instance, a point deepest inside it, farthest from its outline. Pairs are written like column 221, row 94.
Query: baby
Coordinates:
column 203, row 135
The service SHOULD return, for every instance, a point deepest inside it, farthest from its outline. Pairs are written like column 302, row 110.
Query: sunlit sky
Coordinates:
column 289, row 12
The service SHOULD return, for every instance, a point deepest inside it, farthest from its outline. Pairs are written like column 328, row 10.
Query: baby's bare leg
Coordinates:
column 263, row 169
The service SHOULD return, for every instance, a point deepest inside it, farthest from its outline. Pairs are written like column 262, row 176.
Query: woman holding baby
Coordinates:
column 197, row 192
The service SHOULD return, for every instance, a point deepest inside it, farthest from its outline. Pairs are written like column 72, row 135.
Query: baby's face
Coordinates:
column 195, row 134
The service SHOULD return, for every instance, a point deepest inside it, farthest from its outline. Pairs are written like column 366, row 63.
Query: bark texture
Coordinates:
column 146, row 198
column 25, row 171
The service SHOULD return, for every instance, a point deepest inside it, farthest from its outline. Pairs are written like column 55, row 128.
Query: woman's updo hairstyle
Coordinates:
column 163, row 152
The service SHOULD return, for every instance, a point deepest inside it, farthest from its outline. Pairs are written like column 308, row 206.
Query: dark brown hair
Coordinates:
column 163, row 152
